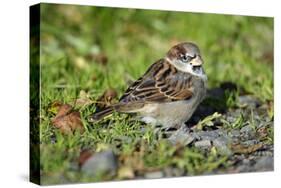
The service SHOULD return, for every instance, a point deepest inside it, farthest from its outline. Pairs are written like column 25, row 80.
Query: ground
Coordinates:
column 88, row 56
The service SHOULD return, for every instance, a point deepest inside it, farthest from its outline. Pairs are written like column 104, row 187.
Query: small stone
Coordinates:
column 235, row 133
column 99, row 163
column 207, row 135
column 243, row 168
column 168, row 171
column 222, row 132
column 181, row 137
column 173, row 172
column 247, row 132
column 222, row 146
column 154, row 175
column 204, row 144
column 264, row 164
column 246, row 161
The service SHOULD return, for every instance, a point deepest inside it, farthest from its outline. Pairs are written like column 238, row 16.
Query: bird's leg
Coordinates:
column 169, row 130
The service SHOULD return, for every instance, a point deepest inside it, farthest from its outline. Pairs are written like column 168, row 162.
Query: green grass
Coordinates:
column 235, row 49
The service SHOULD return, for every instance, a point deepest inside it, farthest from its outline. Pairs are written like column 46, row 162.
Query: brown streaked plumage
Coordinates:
column 169, row 91
column 161, row 83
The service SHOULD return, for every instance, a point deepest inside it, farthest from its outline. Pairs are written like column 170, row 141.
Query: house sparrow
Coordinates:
column 169, row 91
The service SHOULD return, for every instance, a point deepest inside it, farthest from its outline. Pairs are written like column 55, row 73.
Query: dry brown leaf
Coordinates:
column 241, row 149
column 68, row 120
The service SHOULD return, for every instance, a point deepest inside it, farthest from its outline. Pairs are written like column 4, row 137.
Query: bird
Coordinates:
column 168, row 93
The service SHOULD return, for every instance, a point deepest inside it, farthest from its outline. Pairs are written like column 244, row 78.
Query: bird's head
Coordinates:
column 186, row 57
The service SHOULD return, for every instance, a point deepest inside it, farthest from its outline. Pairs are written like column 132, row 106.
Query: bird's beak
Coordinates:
column 197, row 61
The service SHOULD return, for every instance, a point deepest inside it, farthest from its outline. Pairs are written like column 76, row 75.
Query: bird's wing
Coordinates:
column 161, row 83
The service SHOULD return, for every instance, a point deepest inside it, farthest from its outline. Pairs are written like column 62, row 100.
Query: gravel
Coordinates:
column 250, row 134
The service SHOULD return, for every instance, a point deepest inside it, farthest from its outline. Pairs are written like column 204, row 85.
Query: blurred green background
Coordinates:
column 95, row 48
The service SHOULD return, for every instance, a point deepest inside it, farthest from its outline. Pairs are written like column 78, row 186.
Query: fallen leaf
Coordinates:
column 68, row 120
column 241, row 149
column 107, row 98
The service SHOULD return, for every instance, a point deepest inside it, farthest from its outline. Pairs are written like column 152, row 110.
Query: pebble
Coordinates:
column 181, row 136
column 234, row 133
column 247, row 131
column 221, row 145
column 173, row 172
column 103, row 162
column 221, row 139
column 264, row 164
column 206, row 135
column 154, row 175
column 204, row 144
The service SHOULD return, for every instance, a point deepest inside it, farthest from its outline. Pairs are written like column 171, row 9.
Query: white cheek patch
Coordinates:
column 186, row 67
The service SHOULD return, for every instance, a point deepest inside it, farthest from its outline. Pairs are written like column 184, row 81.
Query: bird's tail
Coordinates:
column 97, row 116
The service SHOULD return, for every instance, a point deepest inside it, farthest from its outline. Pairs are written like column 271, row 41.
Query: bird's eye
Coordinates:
column 186, row 58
